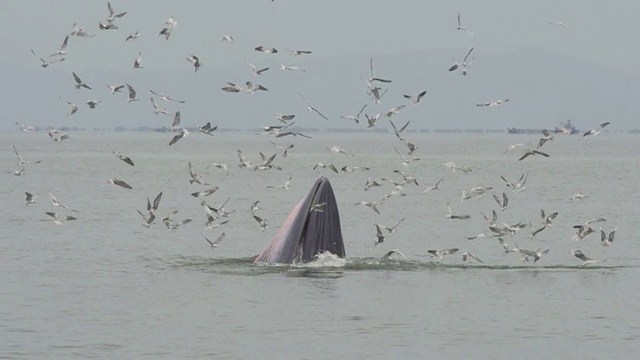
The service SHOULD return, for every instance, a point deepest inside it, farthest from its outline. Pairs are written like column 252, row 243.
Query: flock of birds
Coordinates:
column 217, row 216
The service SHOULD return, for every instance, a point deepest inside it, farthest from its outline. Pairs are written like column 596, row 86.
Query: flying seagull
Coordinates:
column 311, row 108
column 124, row 158
column 120, row 183
column 79, row 82
column 460, row 28
column 415, row 99
column 214, row 243
column 195, row 61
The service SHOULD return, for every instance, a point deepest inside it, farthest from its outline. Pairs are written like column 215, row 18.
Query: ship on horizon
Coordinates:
column 566, row 128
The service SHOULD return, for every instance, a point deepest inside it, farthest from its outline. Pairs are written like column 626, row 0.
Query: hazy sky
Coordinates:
column 603, row 32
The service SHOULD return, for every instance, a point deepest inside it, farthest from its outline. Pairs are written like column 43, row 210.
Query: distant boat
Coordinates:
column 566, row 128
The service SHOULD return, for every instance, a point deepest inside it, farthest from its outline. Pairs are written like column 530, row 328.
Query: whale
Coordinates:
column 312, row 227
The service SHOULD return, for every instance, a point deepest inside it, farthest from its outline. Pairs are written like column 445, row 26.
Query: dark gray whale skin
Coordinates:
column 307, row 232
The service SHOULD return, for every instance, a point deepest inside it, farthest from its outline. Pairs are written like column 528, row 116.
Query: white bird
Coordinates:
column 493, row 103
column 57, row 219
column 284, row 186
column 93, row 103
column 513, row 147
column 57, row 203
column 435, row 186
column 207, row 129
column 339, row 150
column 311, row 108
column 391, row 229
column 262, row 221
column 394, row 110
column 195, row 61
column 468, row 254
column 120, row 183
column 532, row 152
column 133, row 36
column 559, row 23
column 62, row 50
column 112, row 14
column 132, row 94
column 354, row 118
column 166, row 98
column 440, row 254
column 46, row 63
column 169, row 25
column 266, row 50
column 379, row 235
column 463, row 65
column 137, row 63
column 227, row 38
column 585, row 260
column 221, row 166
column 291, row 68
column 58, row 136
column 232, row 88
column 325, row 166
column 21, row 159
column 157, row 109
column 453, row 216
column 114, row 88
column 195, row 177
column 205, row 192
column 25, row 128
column 300, row 52
column 606, row 240
column 77, row 31
column 519, row 186
column 30, row 198
column 124, row 158
column 72, row 107
column 502, row 202
column 79, row 83
column 214, row 243
column 597, row 130
column 416, row 99
column 254, row 70
column 373, row 205
column 460, row 28
column 578, row 196
column 391, row 252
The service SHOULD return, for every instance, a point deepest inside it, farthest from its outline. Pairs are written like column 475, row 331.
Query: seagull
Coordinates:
column 391, row 252
column 536, row 255
column 452, row 216
column 262, row 221
column 311, row 108
column 370, row 183
column 46, row 63
column 354, row 118
column 349, row 169
column 30, row 198
column 504, row 245
column 166, row 98
column 513, row 147
column 57, row 136
column 21, row 159
column 112, row 13
column 251, row 88
column 169, row 25
column 546, row 136
column 195, row 61
column 148, row 220
column 194, row 177
column 464, row 64
column 478, row 236
column 19, row 172
column 597, row 130
column 547, row 219
column 124, row 158
column 137, row 63
column 395, row 129
column 503, row 203
column 207, row 129
column 285, row 150
column 300, row 52
column 559, row 23
column 405, row 159
column 176, row 121
column 58, row 220
column 72, row 107
column 227, row 38
column 379, row 235
column 582, row 231
column 435, row 186
column 77, row 31
column 254, row 70
column 519, row 186
column 266, row 50
column 578, row 196
column 371, row 204
column 57, row 203
column 604, row 239
column 114, row 88
column 93, row 103
column 373, row 78
column 371, row 121
column 132, row 94
column 460, row 28
column 25, row 128
column 206, row 192
column 157, row 109
column 156, row 203
column 222, row 167
column 120, row 183
column 467, row 254
column 108, row 25
column 474, row 191
column 585, row 260
column 416, row 99
column 339, row 150
column 453, row 166
column 79, row 82
column 532, row 152
column 133, row 36
column 214, row 243
column 233, row 88
column 61, row 51
column 440, row 254
column 325, row 166
column 493, row 103
column 284, row 186
column 394, row 110
column 181, row 133
column 291, row 68
column 391, row 229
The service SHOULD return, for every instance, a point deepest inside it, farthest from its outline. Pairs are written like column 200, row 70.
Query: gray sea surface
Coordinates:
column 105, row 286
